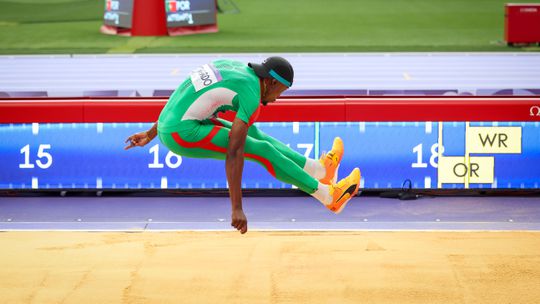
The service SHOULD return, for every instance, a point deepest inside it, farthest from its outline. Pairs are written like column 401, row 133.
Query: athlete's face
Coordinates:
column 274, row 89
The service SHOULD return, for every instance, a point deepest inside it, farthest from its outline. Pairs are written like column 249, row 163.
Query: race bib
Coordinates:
column 205, row 76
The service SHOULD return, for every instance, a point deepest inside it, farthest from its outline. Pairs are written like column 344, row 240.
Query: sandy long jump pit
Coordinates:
column 270, row 267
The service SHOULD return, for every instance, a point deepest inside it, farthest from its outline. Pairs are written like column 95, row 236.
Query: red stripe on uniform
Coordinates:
column 206, row 143
column 186, row 144
column 264, row 161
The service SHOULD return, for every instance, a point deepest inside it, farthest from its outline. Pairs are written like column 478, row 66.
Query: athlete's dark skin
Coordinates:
column 271, row 89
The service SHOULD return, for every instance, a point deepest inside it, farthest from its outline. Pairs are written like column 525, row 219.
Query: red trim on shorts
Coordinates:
column 206, row 140
column 206, row 143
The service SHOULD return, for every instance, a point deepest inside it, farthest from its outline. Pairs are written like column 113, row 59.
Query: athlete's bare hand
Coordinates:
column 239, row 221
column 138, row 140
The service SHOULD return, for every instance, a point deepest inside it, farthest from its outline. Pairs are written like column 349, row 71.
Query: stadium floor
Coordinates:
column 267, row 213
column 171, row 250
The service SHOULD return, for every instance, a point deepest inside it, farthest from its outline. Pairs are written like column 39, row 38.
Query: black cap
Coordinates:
column 276, row 67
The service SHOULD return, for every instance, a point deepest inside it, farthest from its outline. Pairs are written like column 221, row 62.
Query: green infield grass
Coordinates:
column 72, row 27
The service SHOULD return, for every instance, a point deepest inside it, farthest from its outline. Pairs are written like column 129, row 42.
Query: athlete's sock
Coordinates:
column 323, row 194
column 314, row 168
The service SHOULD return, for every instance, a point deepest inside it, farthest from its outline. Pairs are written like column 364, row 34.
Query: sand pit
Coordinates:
column 270, row 267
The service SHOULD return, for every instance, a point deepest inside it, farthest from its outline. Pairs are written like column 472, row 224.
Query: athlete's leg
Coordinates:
column 312, row 166
column 256, row 133
column 209, row 140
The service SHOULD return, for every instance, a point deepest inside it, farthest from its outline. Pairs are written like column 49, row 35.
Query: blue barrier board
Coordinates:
column 488, row 155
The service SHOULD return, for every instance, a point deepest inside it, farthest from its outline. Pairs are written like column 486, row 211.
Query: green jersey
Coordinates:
column 216, row 87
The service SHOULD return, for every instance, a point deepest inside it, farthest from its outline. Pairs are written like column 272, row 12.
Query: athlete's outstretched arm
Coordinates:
column 142, row 138
column 234, row 165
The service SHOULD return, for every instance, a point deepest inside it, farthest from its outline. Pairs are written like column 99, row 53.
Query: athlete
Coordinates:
column 188, row 126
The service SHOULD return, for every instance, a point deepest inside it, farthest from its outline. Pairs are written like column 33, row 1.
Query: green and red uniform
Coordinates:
column 188, row 125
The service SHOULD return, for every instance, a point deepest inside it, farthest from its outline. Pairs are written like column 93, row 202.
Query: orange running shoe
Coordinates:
column 330, row 162
column 343, row 191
